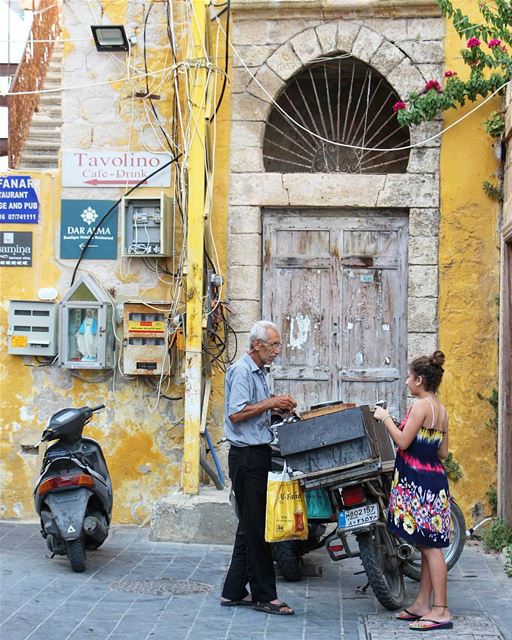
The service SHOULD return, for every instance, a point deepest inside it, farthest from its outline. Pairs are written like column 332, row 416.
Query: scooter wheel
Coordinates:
column 76, row 554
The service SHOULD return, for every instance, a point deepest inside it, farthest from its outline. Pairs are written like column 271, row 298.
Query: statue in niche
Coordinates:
column 87, row 336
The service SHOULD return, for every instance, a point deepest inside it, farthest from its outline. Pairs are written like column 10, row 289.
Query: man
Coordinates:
column 247, row 409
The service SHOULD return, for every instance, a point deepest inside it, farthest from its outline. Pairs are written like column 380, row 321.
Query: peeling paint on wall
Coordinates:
column 300, row 327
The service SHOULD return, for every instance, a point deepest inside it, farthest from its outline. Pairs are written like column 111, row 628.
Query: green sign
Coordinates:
column 79, row 219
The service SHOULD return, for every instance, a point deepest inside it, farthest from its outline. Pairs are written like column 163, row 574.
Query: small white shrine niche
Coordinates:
column 86, row 329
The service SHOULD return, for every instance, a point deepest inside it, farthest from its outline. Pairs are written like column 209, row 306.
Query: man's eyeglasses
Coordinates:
column 273, row 345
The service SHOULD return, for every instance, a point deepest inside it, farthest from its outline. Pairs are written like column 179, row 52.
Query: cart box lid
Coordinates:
column 322, row 431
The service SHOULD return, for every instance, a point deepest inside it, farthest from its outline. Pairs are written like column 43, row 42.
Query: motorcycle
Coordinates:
column 359, row 499
column 73, row 495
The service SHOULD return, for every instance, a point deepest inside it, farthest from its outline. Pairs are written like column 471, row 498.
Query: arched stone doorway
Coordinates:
column 280, row 215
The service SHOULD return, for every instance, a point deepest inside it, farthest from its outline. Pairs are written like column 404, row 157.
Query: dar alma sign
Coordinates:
column 86, row 168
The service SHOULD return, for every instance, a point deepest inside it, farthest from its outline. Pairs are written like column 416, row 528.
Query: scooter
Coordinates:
column 73, row 495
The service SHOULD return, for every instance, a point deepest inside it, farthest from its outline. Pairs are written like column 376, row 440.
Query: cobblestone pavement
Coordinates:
column 135, row 589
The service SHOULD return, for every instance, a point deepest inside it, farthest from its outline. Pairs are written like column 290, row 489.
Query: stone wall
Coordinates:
column 268, row 52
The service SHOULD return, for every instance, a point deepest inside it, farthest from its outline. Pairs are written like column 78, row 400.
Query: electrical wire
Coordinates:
column 148, row 93
column 357, row 147
column 91, row 379
column 92, row 84
column 226, row 59
column 148, row 380
column 43, row 363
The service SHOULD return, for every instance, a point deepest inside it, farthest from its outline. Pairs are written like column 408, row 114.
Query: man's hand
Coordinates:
column 283, row 403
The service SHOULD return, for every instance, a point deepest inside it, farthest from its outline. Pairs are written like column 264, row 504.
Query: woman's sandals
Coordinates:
column 426, row 624
column 409, row 616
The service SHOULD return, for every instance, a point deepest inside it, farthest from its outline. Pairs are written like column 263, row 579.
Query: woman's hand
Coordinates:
column 380, row 413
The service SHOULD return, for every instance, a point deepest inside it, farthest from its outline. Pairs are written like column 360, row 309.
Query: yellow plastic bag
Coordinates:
column 286, row 516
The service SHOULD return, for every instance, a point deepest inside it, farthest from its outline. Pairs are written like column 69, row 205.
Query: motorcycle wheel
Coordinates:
column 76, row 554
column 412, row 568
column 287, row 557
column 382, row 567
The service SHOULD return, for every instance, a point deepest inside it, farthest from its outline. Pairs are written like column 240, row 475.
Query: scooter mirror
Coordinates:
column 31, row 449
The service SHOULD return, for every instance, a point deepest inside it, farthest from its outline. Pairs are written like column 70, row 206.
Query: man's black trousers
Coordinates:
column 251, row 561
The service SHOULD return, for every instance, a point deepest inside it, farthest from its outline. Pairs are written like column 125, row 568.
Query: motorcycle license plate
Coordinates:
column 352, row 518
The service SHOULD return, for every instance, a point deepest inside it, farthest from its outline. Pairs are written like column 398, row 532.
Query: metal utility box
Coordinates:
column 147, row 226
column 145, row 343
column 87, row 330
column 334, row 441
column 32, row 328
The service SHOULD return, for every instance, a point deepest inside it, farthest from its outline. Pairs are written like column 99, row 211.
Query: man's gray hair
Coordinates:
column 259, row 331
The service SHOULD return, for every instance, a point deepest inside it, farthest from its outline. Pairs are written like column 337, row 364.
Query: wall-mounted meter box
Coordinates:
column 32, row 328
column 86, row 327
column 146, row 350
column 147, row 226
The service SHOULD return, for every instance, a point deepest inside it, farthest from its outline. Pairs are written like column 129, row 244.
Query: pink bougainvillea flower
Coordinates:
column 433, row 84
column 450, row 74
column 495, row 42
column 398, row 106
column 472, row 43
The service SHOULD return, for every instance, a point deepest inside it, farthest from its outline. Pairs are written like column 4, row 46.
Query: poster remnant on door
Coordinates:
column 81, row 168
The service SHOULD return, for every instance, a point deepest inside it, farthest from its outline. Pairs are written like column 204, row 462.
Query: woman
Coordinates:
column 419, row 506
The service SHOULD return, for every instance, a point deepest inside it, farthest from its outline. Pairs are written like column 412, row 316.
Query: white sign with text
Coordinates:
column 81, row 168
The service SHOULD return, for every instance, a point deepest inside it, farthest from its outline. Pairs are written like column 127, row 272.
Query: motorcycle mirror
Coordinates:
column 32, row 449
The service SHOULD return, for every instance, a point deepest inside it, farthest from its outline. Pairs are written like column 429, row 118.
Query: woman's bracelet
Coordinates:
column 385, row 418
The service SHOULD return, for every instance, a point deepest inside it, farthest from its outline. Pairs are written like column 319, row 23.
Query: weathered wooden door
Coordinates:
column 336, row 285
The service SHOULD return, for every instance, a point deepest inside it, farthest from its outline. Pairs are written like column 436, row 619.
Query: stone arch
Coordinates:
column 304, row 48
column 335, row 101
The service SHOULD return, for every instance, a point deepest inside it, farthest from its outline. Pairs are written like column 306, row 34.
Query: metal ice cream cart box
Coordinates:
column 336, row 440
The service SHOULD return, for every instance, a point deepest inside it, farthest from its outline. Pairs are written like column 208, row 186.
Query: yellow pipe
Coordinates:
column 197, row 78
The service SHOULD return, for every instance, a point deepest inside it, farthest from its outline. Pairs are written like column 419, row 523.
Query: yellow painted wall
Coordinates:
column 469, row 285
column 142, row 443
column 143, row 448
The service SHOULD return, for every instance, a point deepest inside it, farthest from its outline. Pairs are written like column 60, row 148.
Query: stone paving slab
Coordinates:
column 384, row 627
column 137, row 589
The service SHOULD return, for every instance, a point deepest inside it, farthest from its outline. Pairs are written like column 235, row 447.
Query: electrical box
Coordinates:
column 32, row 328
column 147, row 226
column 146, row 339
column 87, row 329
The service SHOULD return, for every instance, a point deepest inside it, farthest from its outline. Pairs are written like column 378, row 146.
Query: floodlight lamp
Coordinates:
column 110, row 37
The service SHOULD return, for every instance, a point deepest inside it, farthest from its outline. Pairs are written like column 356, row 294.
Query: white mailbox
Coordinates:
column 32, row 328
column 87, row 332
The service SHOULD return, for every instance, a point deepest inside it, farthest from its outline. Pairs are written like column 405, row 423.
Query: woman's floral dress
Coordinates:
column 419, row 504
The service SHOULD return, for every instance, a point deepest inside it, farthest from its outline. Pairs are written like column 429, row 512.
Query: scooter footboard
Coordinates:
column 68, row 510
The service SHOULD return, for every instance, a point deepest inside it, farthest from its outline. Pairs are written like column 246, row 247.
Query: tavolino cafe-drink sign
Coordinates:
column 114, row 169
